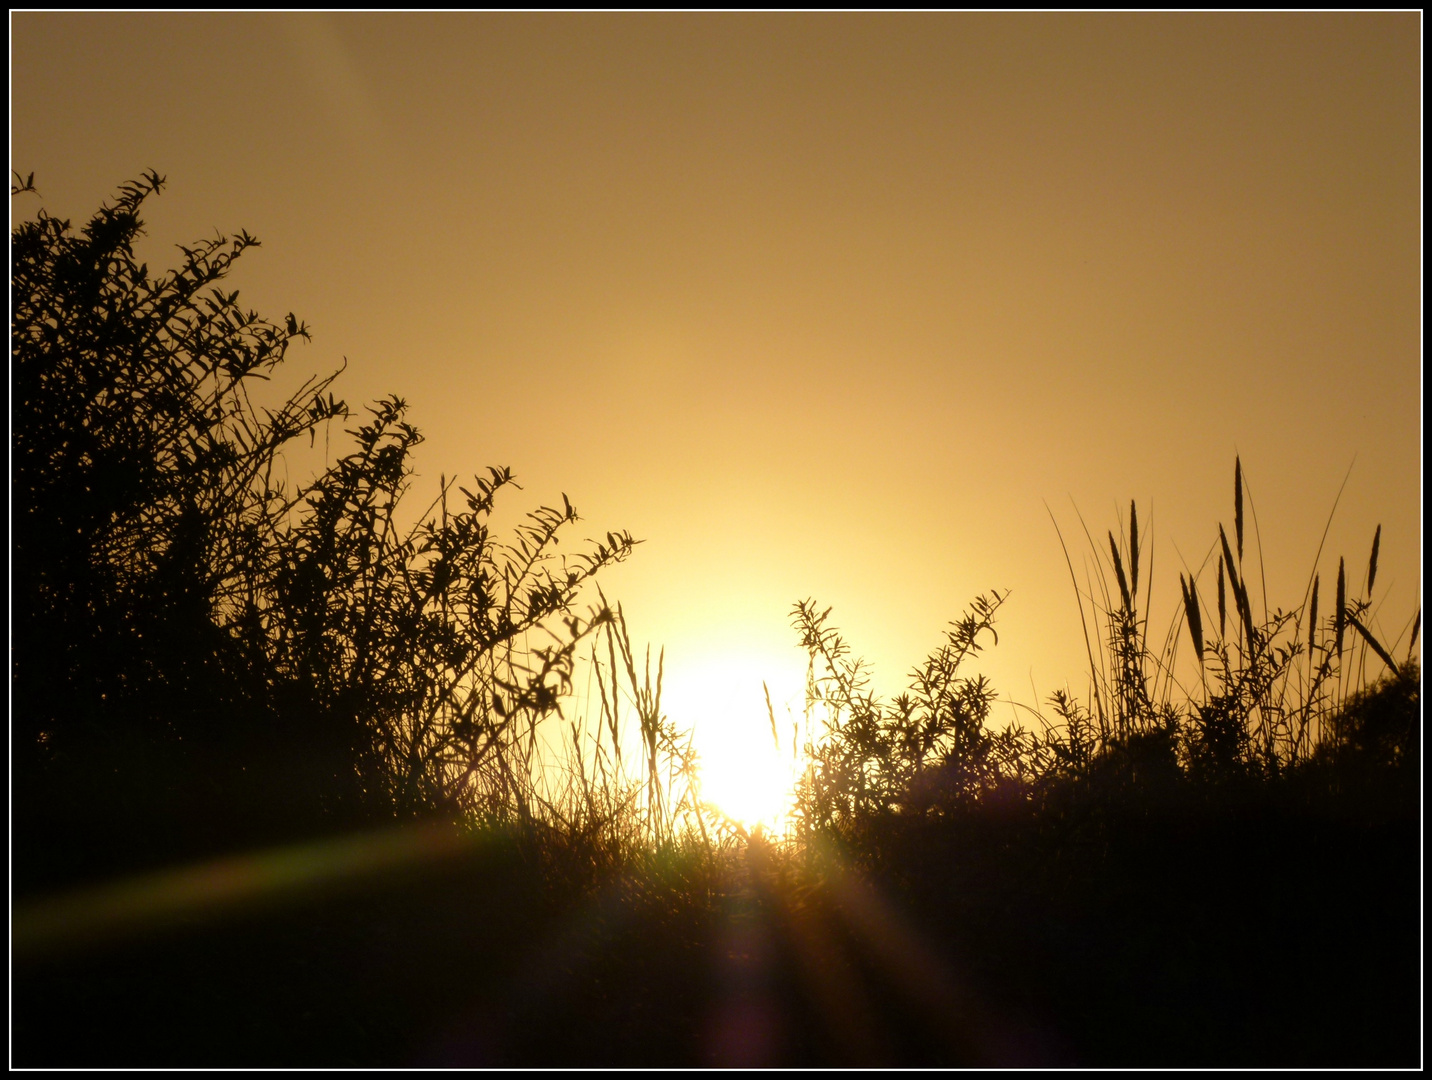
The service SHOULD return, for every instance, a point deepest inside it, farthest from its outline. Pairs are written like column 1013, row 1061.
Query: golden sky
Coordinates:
column 819, row 305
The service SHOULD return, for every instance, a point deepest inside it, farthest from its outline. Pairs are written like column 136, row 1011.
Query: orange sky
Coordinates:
column 819, row 305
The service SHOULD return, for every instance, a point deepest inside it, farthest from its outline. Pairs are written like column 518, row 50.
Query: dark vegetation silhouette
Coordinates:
column 209, row 655
column 1213, row 862
column 1210, row 858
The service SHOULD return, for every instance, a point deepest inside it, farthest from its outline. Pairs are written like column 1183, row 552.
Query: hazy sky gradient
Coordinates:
column 819, row 305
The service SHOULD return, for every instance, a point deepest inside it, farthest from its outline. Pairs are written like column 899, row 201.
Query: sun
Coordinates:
column 748, row 780
column 747, row 766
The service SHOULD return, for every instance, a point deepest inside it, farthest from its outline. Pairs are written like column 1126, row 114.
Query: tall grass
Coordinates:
column 1265, row 685
column 1265, row 690
column 618, row 779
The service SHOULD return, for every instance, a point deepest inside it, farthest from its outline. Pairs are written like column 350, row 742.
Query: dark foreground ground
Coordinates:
column 1255, row 929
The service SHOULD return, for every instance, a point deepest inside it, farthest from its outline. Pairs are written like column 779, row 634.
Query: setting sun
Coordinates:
column 747, row 778
column 747, row 770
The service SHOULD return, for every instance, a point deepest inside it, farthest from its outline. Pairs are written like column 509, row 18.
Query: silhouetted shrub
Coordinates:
column 203, row 652
column 927, row 749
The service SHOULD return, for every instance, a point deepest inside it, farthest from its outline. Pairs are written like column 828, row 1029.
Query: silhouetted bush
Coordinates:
column 204, row 654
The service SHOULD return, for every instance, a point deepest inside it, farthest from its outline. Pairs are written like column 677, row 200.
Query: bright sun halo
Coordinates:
column 748, row 780
column 745, row 772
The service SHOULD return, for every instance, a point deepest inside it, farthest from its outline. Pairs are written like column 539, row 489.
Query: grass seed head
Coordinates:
column 1222, row 600
column 1247, row 609
column 1134, row 548
column 1372, row 562
column 1372, row 642
column 1340, row 616
column 1119, row 572
column 1238, row 504
column 1228, row 564
column 1240, row 589
column 1195, row 619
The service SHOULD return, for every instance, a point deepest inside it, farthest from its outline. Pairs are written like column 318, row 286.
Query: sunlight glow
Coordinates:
column 747, row 772
column 748, row 780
